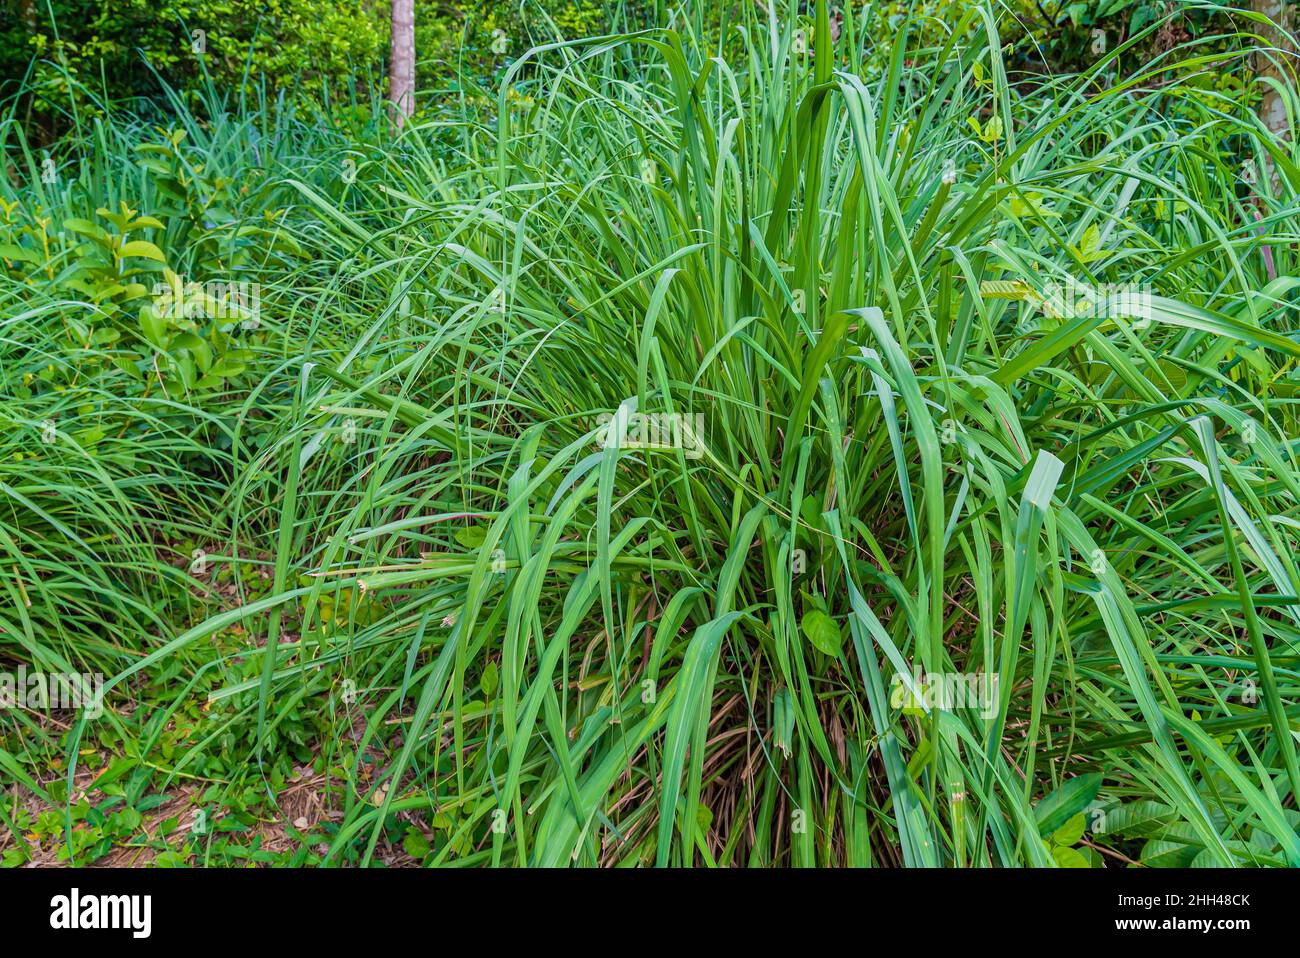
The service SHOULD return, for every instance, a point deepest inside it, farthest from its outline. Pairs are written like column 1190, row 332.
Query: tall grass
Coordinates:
column 913, row 459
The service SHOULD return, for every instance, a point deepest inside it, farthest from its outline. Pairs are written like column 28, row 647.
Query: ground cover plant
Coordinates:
column 716, row 453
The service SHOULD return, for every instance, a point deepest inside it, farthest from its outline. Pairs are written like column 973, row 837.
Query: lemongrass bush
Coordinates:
column 726, row 460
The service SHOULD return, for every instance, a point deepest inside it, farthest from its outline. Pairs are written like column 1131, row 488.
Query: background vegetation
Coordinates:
column 59, row 55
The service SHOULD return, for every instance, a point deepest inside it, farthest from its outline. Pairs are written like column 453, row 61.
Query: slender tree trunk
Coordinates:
column 1282, row 12
column 401, row 70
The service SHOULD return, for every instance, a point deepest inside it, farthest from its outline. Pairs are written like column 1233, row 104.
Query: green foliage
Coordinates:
column 88, row 52
column 100, row 49
column 156, row 326
column 1047, row 36
column 467, row 42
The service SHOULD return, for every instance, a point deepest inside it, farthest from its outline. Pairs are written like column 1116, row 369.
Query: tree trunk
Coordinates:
column 1272, row 110
column 401, row 69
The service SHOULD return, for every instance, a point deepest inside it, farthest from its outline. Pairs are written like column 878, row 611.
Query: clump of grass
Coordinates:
column 942, row 375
